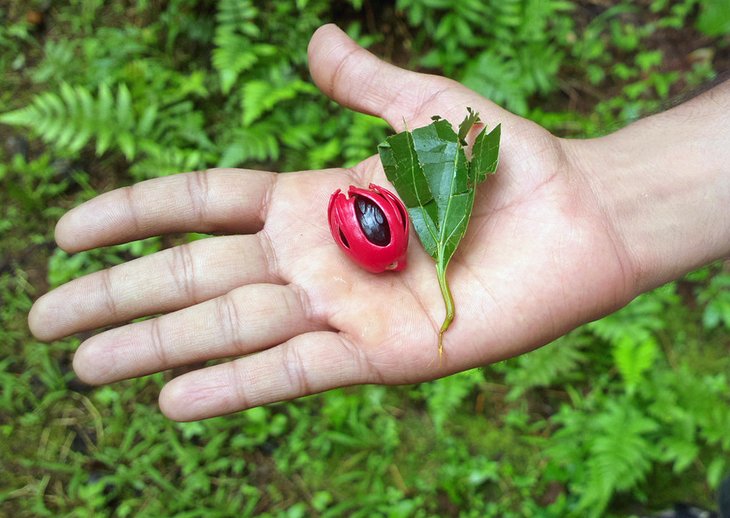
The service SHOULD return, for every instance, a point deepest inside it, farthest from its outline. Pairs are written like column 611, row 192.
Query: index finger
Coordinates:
column 217, row 200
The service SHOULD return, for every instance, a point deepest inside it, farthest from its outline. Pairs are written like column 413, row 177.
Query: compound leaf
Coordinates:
column 437, row 183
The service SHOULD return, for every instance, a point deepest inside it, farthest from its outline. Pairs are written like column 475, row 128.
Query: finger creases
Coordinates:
column 159, row 283
column 243, row 321
column 307, row 364
column 217, row 200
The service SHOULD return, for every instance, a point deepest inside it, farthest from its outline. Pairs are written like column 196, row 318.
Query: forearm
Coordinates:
column 664, row 185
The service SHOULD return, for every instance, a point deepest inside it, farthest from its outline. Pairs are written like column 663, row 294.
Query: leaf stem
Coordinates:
column 448, row 302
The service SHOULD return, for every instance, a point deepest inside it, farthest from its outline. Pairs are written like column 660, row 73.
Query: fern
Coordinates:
column 163, row 138
column 180, row 124
column 260, row 97
column 607, row 444
column 620, row 454
column 324, row 154
column 695, row 410
column 706, row 400
column 236, row 49
column 498, row 78
column 633, row 358
column 70, row 119
column 257, row 142
column 679, row 450
column 605, row 451
column 362, row 130
column 716, row 297
column 59, row 57
column 545, row 366
column 445, row 395
column 639, row 320
column 162, row 161
column 632, row 334
column 526, row 41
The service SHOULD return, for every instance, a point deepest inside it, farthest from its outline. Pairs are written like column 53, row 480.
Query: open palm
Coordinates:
column 276, row 292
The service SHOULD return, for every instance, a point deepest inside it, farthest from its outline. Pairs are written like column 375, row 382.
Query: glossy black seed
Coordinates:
column 372, row 222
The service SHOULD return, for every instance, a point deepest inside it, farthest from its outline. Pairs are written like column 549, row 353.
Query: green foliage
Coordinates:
column 716, row 297
column 608, row 443
column 165, row 115
column 633, row 359
column 624, row 416
column 235, row 50
column 546, row 366
column 714, row 19
column 503, row 50
column 444, row 397
column 70, row 119
column 606, row 452
column 631, row 333
column 260, row 97
column 611, row 437
column 363, row 130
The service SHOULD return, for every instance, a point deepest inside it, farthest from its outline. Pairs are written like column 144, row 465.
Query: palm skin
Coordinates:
column 539, row 258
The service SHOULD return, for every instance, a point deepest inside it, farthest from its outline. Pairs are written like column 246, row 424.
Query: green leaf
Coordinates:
column 715, row 471
column 680, row 450
column 486, row 153
column 714, row 19
column 471, row 118
column 437, row 183
column 634, row 358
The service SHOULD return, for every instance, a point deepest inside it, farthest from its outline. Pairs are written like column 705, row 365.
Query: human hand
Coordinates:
column 541, row 256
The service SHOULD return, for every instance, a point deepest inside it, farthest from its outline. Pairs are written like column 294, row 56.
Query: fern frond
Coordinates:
column 620, row 453
column 235, row 39
column 237, row 15
column 162, row 161
column 633, row 358
column 71, row 118
column 607, row 450
column 639, row 320
column 546, row 365
column 254, row 143
column 58, row 60
column 445, row 395
column 717, row 297
column 235, row 54
column 178, row 125
column 360, row 132
column 260, row 97
column 682, row 451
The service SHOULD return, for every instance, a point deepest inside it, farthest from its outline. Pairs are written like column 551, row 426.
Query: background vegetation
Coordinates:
column 622, row 417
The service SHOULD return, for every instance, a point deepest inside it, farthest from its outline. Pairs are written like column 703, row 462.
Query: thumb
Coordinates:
column 353, row 77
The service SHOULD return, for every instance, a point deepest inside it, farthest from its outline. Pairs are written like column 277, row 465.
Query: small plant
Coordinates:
column 440, row 210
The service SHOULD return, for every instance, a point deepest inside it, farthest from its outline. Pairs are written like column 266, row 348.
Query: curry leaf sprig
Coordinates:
column 437, row 182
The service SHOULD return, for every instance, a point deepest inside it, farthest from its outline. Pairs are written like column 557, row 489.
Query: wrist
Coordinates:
column 662, row 185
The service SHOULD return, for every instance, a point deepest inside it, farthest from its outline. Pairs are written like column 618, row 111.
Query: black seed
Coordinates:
column 372, row 222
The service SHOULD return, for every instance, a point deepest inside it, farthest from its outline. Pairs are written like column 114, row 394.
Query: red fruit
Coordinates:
column 371, row 226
